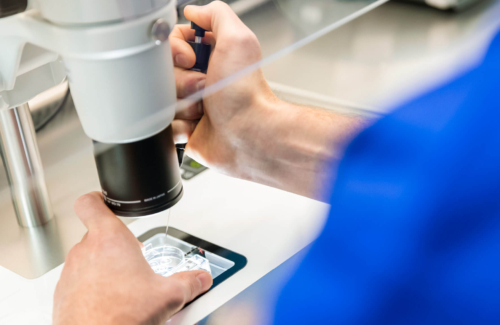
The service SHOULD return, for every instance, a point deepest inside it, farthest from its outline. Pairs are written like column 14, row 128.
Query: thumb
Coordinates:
column 183, row 287
column 92, row 211
column 216, row 17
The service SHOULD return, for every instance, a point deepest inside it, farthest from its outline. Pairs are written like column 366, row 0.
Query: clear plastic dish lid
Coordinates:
column 168, row 260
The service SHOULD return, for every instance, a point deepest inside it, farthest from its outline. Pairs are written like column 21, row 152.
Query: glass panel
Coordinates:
column 283, row 26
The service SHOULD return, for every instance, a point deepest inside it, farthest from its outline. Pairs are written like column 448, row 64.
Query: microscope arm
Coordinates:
column 117, row 59
column 93, row 55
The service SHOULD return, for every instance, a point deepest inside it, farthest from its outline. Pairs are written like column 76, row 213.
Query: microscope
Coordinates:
column 116, row 57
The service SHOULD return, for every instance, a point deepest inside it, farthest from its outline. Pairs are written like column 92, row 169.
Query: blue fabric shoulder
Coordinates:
column 413, row 235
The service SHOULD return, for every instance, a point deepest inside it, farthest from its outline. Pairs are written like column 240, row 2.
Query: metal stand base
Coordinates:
column 24, row 167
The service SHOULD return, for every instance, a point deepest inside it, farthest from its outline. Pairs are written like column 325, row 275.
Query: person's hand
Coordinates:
column 244, row 130
column 219, row 128
column 106, row 279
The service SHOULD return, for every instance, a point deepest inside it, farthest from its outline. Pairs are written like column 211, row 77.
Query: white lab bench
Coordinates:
column 265, row 225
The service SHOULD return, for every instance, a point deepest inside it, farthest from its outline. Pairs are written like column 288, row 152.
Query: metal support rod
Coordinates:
column 24, row 167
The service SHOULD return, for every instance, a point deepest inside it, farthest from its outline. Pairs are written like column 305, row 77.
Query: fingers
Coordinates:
column 183, row 129
column 191, row 112
column 188, row 82
column 182, row 52
column 217, row 17
column 187, row 285
column 92, row 211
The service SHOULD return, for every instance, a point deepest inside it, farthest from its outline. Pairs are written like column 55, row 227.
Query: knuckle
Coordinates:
column 246, row 40
column 176, row 30
column 249, row 40
column 176, row 296
column 190, row 285
column 220, row 5
column 85, row 200
column 174, row 304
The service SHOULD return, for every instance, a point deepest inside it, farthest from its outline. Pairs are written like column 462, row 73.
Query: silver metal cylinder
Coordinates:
column 24, row 167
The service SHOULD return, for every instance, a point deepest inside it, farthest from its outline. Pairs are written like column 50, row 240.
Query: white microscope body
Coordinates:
column 114, row 53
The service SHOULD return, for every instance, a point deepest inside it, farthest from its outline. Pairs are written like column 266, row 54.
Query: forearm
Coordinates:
column 294, row 148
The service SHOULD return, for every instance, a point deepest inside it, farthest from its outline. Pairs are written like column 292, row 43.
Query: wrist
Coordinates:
column 293, row 147
column 257, row 145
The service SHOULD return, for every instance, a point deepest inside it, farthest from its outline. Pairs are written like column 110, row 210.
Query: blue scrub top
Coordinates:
column 413, row 235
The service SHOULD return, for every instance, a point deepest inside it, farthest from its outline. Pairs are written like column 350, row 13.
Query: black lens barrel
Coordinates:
column 140, row 178
column 12, row 7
